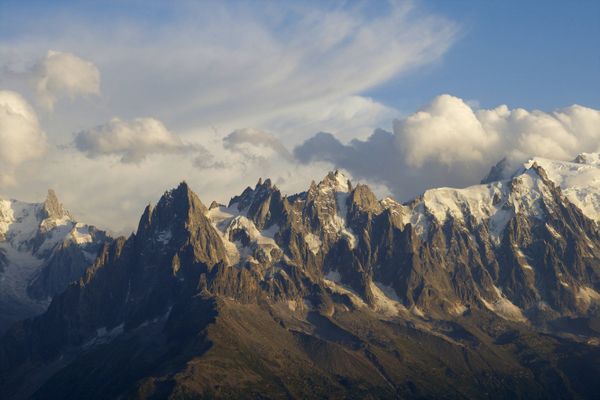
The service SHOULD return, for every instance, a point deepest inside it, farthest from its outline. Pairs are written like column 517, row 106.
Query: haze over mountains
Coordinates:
column 487, row 291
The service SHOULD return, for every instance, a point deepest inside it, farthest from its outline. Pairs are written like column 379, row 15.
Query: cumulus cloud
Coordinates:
column 248, row 140
column 451, row 143
column 21, row 138
column 446, row 131
column 61, row 75
column 561, row 134
column 449, row 131
column 132, row 140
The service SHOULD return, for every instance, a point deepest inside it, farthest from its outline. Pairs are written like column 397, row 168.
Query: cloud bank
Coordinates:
column 64, row 75
column 445, row 131
column 448, row 131
column 449, row 143
column 21, row 138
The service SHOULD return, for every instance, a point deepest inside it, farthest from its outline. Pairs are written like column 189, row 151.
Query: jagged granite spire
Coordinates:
column 338, row 181
column 179, row 219
column 52, row 208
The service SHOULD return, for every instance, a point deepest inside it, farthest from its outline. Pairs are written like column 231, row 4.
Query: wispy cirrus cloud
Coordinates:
column 233, row 64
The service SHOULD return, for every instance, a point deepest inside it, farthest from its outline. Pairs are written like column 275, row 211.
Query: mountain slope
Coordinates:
column 461, row 293
column 42, row 250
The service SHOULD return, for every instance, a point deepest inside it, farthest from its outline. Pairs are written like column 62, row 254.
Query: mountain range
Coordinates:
column 491, row 291
column 42, row 250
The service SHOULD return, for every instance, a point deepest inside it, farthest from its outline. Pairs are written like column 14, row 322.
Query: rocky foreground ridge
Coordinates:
column 486, row 292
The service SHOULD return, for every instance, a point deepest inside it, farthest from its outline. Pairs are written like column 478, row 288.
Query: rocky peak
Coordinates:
column 266, row 185
column 251, row 196
column 174, row 211
column 337, row 181
column 178, row 220
column 262, row 190
column 214, row 205
column 43, row 250
column 146, row 219
column 263, row 204
column 52, row 208
column 532, row 192
column 328, row 197
column 363, row 199
column 498, row 172
column 185, row 198
column 180, row 203
column 579, row 181
column 539, row 170
column 588, row 158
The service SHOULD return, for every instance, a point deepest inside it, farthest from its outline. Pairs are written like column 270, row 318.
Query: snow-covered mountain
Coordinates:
column 459, row 293
column 578, row 179
column 499, row 200
column 42, row 250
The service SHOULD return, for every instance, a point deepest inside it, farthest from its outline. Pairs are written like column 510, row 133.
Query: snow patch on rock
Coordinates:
column 313, row 242
column 386, row 300
column 504, row 307
column 333, row 281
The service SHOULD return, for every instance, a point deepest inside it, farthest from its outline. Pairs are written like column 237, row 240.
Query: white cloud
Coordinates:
column 446, row 131
column 583, row 120
column 449, row 131
column 255, row 143
column 286, row 68
column 451, row 143
column 131, row 140
column 561, row 134
column 236, row 65
column 21, row 138
column 61, row 75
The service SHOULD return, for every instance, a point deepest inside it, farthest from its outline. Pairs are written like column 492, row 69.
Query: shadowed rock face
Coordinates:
column 330, row 292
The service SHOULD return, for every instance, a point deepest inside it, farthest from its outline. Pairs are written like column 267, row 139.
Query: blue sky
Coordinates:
column 531, row 54
column 123, row 99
